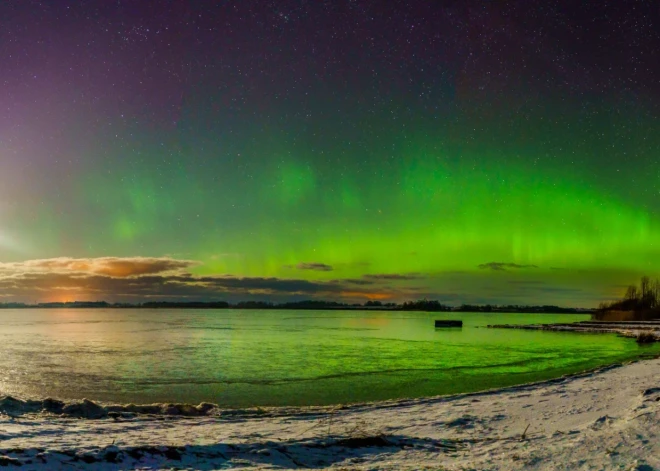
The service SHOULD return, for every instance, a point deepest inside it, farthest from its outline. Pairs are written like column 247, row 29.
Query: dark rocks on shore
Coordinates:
column 136, row 409
column 11, row 406
column 206, row 407
column 181, row 409
column 52, row 405
column 188, row 410
column 85, row 410
column 7, row 461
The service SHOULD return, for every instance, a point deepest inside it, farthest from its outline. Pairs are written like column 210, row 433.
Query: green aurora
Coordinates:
column 431, row 219
column 346, row 176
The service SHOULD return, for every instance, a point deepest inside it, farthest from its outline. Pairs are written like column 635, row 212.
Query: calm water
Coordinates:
column 241, row 358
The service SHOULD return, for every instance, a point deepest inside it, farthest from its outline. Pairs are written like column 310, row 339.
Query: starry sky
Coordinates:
column 466, row 151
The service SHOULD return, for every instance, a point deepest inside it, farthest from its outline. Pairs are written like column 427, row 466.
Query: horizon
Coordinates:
column 321, row 302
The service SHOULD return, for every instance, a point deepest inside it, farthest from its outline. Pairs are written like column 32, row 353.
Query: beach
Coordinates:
column 603, row 419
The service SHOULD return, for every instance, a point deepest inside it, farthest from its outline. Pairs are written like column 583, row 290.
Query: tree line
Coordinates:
column 638, row 298
column 425, row 305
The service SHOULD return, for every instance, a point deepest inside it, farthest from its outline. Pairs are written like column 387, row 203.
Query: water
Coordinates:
column 246, row 358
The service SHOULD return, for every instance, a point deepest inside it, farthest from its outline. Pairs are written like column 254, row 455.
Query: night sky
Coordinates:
column 465, row 151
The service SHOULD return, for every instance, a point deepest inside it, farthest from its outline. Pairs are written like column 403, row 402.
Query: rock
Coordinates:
column 135, row 453
column 88, row 458
column 111, row 454
column 11, row 404
column 643, row 467
column 52, row 405
column 364, row 442
column 172, row 454
column 85, row 409
column 204, row 407
column 143, row 409
column 181, row 409
column 7, row 461
column 602, row 421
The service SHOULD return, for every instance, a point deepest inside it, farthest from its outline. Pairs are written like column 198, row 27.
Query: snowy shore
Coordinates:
column 649, row 331
column 606, row 419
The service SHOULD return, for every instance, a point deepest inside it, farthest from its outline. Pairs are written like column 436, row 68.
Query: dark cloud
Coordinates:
column 394, row 276
column 76, row 286
column 502, row 266
column 354, row 281
column 552, row 289
column 133, row 279
column 157, row 285
column 526, row 282
column 314, row 266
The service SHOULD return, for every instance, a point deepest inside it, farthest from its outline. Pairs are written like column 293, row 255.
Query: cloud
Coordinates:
column 135, row 279
column 526, row 282
column 108, row 266
column 314, row 266
column 146, row 286
column 393, row 276
column 502, row 266
column 553, row 289
column 355, row 281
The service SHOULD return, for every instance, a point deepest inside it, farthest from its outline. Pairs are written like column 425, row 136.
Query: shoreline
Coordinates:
column 601, row 418
column 648, row 330
column 87, row 409
column 14, row 406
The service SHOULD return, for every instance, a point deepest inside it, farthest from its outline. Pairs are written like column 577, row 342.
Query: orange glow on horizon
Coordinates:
column 370, row 296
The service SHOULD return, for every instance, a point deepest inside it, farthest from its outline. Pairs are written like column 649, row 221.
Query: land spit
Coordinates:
column 647, row 330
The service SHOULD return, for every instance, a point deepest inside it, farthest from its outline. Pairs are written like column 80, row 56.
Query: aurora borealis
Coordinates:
column 470, row 152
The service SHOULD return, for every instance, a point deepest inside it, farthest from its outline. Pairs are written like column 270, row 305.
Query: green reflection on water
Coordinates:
column 242, row 358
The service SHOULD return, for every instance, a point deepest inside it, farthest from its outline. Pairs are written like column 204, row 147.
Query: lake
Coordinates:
column 239, row 358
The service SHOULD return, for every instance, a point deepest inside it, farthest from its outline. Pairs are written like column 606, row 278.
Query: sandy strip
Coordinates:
column 608, row 419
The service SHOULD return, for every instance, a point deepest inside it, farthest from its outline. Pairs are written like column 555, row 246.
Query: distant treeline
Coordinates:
column 546, row 309
column 642, row 301
column 425, row 305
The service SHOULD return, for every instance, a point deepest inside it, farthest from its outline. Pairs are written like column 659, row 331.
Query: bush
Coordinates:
column 646, row 337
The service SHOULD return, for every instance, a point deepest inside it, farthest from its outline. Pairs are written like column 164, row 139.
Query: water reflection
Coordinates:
column 240, row 358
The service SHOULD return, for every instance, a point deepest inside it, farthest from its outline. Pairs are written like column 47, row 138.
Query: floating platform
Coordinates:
column 448, row 324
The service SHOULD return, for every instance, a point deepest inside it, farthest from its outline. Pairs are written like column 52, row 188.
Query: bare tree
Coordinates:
column 647, row 292
column 632, row 293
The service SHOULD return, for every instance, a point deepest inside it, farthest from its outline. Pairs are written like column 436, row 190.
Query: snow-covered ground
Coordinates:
column 609, row 419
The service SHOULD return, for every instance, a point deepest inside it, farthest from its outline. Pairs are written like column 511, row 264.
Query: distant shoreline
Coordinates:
column 308, row 306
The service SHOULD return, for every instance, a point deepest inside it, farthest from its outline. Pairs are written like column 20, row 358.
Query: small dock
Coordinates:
column 448, row 323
